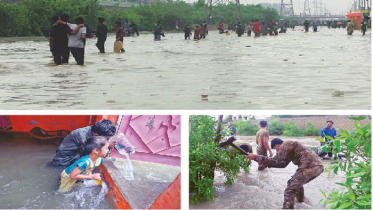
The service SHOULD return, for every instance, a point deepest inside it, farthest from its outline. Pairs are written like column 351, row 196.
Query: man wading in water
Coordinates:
column 309, row 167
column 262, row 137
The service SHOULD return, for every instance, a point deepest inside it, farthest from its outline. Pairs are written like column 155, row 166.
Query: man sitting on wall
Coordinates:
column 70, row 149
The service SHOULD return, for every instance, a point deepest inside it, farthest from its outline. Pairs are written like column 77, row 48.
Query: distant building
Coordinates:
column 276, row 6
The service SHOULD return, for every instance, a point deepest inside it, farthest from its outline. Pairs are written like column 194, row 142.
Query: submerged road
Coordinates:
column 323, row 70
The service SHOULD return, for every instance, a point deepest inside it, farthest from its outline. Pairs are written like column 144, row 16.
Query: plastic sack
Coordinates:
column 123, row 145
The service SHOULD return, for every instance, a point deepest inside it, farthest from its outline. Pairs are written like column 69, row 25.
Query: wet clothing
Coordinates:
column 196, row 33
column 119, row 34
column 350, row 28
column 60, row 49
column 85, row 164
column 306, row 25
column 239, row 30
column 332, row 133
column 157, row 32
column 76, row 43
column 260, row 135
column 256, row 27
column 315, row 27
column 309, row 167
column 69, row 150
column 134, row 29
column 202, row 33
column 221, row 28
column 101, row 34
column 205, row 27
column 233, row 131
column 363, row 27
column 187, row 32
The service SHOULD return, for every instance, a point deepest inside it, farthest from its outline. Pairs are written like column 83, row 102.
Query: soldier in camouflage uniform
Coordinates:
column 309, row 167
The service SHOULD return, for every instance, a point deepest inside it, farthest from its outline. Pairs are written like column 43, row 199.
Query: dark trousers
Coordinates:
column 78, row 54
column 60, row 52
column 101, row 44
column 136, row 31
column 187, row 36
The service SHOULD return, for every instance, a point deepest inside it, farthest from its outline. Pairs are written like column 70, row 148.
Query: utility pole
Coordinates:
column 307, row 9
column 287, row 9
column 212, row 3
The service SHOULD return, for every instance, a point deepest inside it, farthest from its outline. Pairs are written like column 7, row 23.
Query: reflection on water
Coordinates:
column 294, row 70
column 27, row 182
column 265, row 189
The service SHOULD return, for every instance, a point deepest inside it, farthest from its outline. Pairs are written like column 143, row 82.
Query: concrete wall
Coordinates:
column 340, row 122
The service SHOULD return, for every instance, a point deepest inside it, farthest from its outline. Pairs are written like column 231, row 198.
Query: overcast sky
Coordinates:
column 334, row 6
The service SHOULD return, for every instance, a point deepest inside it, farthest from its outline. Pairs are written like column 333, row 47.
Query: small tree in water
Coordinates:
column 205, row 157
column 356, row 190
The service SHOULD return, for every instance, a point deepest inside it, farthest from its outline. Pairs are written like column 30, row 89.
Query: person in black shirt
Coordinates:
column 59, row 41
column 187, row 32
column 101, row 34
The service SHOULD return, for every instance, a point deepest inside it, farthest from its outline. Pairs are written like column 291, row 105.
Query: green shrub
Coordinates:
column 311, row 130
column 205, row 157
column 290, row 129
column 275, row 127
column 246, row 128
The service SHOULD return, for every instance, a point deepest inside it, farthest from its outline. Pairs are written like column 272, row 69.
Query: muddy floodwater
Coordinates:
column 27, row 182
column 323, row 70
column 265, row 189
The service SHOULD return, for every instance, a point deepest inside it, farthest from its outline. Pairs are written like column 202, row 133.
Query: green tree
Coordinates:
column 275, row 127
column 291, row 129
column 246, row 128
column 356, row 190
column 205, row 157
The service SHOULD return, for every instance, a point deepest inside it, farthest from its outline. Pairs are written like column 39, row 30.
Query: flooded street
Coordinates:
column 265, row 189
column 26, row 182
column 292, row 71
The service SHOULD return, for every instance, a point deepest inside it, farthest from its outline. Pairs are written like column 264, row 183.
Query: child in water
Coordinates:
column 95, row 150
column 119, row 33
column 196, row 33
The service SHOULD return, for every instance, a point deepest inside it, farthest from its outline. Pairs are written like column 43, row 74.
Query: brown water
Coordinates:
column 265, row 189
column 26, row 182
column 235, row 73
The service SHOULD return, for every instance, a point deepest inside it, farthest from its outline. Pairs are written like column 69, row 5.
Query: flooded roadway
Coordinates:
column 265, row 189
column 292, row 71
column 27, row 183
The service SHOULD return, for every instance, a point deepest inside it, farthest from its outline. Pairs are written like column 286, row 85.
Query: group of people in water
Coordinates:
column 66, row 37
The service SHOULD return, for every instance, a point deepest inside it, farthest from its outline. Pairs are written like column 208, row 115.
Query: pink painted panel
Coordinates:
column 136, row 141
column 159, row 144
column 174, row 132
column 172, row 151
column 156, row 138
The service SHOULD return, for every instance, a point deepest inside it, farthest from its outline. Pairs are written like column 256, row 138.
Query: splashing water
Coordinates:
column 127, row 168
column 125, row 148
column 85, row 197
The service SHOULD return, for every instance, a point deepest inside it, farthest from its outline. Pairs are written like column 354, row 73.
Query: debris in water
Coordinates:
column 153, row 94
column 285, row 59
column 248, row 46
column 305, row 102
column 294, row 63
column 338, row 94
column 110, row 101
column 205, row 97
